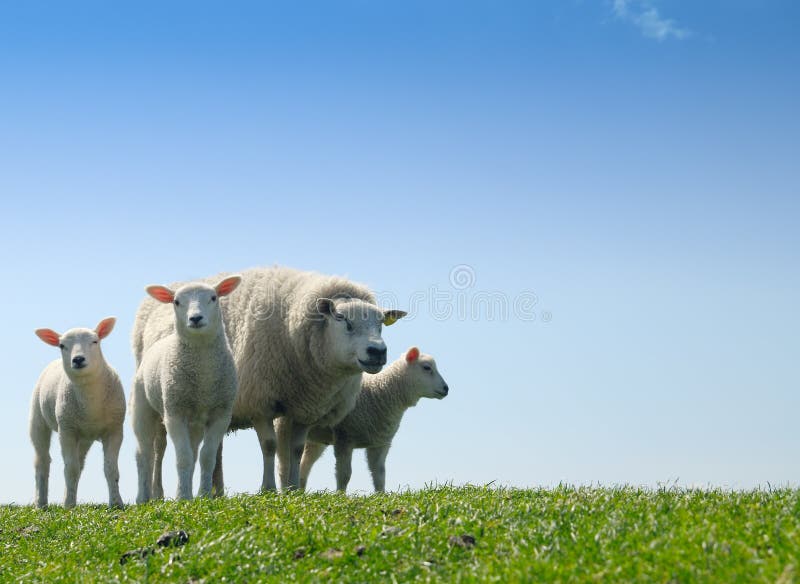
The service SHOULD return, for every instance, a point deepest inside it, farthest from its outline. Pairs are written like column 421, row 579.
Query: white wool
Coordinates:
column 80, row 397
column 185, row 386
column 300, row 341
column 376, row 417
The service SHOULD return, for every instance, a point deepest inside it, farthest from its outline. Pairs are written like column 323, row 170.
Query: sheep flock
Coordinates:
column 297, row 356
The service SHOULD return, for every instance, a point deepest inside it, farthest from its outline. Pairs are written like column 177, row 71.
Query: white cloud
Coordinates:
column 645, row 16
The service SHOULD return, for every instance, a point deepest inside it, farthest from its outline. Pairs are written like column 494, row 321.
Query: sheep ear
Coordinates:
column 228, row 285
column 412, row 354
column 105, row 327
column 325, row 306
column 49, row 336
column 392, row 316
column 161, row 293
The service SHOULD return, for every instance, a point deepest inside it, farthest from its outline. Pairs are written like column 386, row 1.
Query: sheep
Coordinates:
column 80, row 397
column 374, row 420
column 184, row 386
column 301, row 341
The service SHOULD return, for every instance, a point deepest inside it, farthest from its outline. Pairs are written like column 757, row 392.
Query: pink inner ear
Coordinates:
column 412, row 355
column 49, row 336
column 161, row 294
column 104, row 328
column 228, row 285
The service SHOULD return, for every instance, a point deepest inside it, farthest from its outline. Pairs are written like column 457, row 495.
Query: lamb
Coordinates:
column 185, row 385
column 301, row 341
column 79, row 396
column 374, row 421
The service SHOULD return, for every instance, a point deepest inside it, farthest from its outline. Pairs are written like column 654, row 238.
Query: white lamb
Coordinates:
column 185, row 386
column 301, row 341
column 374, row 421
column 79, row 396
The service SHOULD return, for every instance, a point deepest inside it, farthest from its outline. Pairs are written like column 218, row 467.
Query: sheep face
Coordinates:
column 424, row 375
column 353, row 333
column 80, row 351
column 80, row 347
column 196, row 305
column 197, row 310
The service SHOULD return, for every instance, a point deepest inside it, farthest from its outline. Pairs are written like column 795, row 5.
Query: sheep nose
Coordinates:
column 78, row 361
column 196, row 318
column 377, row 353
column 446, row 389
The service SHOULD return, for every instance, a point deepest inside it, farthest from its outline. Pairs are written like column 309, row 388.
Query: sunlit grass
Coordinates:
column 562, row 534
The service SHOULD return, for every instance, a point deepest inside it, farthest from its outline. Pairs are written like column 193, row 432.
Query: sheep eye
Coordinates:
column 177, row 303
column 61, row 346
column 426, row 367
column 213, row 299
column 94, row 342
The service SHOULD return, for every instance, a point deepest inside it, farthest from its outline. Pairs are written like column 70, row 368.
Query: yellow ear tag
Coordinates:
column 389, row 320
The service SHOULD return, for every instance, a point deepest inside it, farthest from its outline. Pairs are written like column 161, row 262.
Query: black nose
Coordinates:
column 78, row 360
column 376, row 353
column 446, row 389
column 196, row 319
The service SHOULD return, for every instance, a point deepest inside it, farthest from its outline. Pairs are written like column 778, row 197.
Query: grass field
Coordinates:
column 563, row 534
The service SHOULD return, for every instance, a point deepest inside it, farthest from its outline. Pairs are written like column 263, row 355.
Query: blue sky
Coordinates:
column 632, row 164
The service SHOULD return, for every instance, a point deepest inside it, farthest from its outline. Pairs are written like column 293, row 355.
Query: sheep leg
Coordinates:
column 84, row 444
column 178, row 431
column 212, row 439
column 344, row 459
column 159, row 448
column 145, row 423
column 299, row 435
column 376, row 460
column 217, row 480
column 283, row 433
column 40, row 436
column 311, row 453
column 70, row 451
column 111, row 445
column 267, row 441
column 196, row 437
column 291, row 441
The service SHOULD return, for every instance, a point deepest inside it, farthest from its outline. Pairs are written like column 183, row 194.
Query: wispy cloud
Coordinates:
column 645, row 16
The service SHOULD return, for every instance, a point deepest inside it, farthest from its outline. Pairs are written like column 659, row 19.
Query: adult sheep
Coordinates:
column 300, row 341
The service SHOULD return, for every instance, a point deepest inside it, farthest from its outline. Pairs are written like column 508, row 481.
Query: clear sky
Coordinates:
column 624, row 174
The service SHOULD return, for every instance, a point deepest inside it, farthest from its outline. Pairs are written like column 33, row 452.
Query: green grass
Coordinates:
column 563, row 534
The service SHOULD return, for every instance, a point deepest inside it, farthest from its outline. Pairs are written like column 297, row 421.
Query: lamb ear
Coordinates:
column 161, row 293
column 412, row 354
column 392, row 316
column 228, row 285
column 49, row 336
column 105, row 327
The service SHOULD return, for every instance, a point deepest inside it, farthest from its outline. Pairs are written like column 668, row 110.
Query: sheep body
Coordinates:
column 376, row 417
column 185, row 386
column 80, row 397
column 293, row 355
